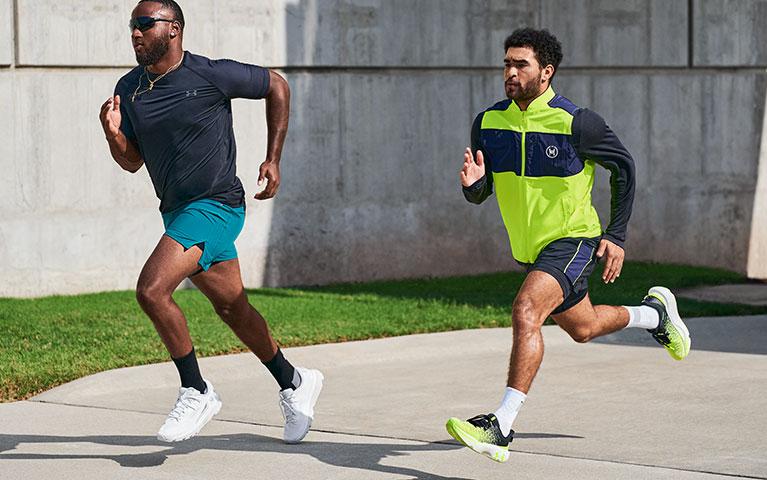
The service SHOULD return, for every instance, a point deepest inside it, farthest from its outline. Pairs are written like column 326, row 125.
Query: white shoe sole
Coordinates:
column 215, row 407
column 316, row 389
column 673, row 314
column 493, row 452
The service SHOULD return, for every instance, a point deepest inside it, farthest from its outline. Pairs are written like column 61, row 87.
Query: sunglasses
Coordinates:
column 145, row 23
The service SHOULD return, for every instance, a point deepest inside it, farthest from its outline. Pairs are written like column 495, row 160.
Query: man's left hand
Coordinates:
column 613, row 256
column 269, row 171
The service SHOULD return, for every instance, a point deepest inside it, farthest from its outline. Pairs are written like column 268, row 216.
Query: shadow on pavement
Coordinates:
column 364, row 456
column 717, row 334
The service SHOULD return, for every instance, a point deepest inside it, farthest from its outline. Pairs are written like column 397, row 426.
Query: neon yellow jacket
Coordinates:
column 542, row 163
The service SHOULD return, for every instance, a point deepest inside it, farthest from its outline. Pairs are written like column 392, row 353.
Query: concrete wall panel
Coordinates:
column 65, row 33
column 619, row 33
column 490, row 22
column 8, row 164
column 705, row 169
column 76, row 252
column 370, row 187
column 377, row 32
column 245, row 30
column 6, row 32
column 729, row 32
column 58, row 139
column 364, row 32
column 71, row 32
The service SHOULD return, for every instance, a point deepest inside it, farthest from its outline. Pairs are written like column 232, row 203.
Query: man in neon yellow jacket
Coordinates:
column 538, row 152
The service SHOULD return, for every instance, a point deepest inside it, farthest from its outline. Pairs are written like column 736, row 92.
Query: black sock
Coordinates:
column 283, row 371
column 189, row 372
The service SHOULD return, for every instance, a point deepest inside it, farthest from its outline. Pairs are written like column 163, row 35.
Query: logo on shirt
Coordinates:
column 191, row 93
column 552, row 151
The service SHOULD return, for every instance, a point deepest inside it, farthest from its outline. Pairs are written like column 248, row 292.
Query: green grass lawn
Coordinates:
column 49, row 341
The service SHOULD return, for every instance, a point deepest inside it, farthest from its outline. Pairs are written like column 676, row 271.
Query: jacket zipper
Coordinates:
column 524, row 153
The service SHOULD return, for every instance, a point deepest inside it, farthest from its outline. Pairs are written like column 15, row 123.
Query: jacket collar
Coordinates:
column 540, row 102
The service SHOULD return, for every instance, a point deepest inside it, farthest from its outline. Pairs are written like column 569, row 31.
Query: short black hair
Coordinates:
column 547, row 49
column 178, row 14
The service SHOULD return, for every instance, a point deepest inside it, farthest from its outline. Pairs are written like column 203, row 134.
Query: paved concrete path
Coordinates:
column 743, row 293
column 619, row 409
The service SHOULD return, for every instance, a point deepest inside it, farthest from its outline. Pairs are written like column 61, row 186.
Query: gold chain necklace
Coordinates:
column 136, row 92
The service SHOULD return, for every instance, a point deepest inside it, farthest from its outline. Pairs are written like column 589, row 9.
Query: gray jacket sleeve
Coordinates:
column 482, row 188
column 594, row 140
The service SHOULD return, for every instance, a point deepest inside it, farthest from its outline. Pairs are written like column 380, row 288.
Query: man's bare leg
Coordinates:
column 658, row 314
column 222, row 284
column 167, row 266
column 490, row 434
column 584, row 321
column 539, row 295
column 300, row 387
column 197, row 402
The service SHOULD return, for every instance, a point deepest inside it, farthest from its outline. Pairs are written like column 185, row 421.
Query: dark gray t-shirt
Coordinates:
column 183, row 127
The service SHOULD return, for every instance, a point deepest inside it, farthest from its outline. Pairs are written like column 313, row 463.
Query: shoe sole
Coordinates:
column 316, row 389
column 212, row 412
column 669, row 301
column 493, row 452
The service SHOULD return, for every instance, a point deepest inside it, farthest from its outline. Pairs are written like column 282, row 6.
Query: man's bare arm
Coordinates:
column 277, row 115
column 122, row 149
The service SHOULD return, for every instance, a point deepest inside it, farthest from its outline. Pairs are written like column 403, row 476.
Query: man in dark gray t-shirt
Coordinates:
column 173, row 113
column 183, row 127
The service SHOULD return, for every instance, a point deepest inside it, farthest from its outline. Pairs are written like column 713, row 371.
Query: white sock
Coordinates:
column 643, row 317
column 510, row 405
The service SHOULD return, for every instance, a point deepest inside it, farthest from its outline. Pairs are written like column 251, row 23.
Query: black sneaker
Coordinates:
column 483, row 435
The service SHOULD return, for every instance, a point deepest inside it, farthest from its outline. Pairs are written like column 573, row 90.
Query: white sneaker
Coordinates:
column 192, row 411
column 298, row 405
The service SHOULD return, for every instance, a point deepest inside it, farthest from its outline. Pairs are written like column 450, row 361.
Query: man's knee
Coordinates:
column 524, row 317
column 231, row 310
column 150, row 294
column 581, row 334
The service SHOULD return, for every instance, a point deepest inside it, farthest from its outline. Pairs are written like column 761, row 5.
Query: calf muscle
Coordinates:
column 537, row 298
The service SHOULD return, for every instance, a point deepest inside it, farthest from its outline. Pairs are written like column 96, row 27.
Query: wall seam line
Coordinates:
column 690, row 34
column 15, row 32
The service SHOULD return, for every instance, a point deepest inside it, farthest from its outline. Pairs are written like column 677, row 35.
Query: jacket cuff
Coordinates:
column 613, row 239
column 477, row 186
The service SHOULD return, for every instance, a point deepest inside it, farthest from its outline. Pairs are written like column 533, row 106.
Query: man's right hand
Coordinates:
column 110, row 117
column 472, row 171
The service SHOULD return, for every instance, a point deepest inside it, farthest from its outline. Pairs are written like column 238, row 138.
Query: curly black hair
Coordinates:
column 178, row 15
column 547, row 49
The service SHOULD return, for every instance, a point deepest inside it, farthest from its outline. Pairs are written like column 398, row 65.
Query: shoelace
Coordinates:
column 185, row 402
column 287, row 405
column 480, row 421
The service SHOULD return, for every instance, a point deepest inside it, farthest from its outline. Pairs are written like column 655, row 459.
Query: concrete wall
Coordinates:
column 384, row 92
column 6, row 32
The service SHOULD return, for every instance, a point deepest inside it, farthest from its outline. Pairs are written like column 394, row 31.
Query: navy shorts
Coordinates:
column 570, row 261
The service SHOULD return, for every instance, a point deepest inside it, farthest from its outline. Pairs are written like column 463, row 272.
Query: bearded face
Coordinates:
column 522, row 75
column 524, row 90
column 151, row 28
column 151, row 52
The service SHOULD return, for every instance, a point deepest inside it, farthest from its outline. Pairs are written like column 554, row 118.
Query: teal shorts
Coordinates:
column 209, row 224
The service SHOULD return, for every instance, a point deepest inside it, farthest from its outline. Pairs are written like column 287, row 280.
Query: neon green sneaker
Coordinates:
column 483, row 435
column 672, row 333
